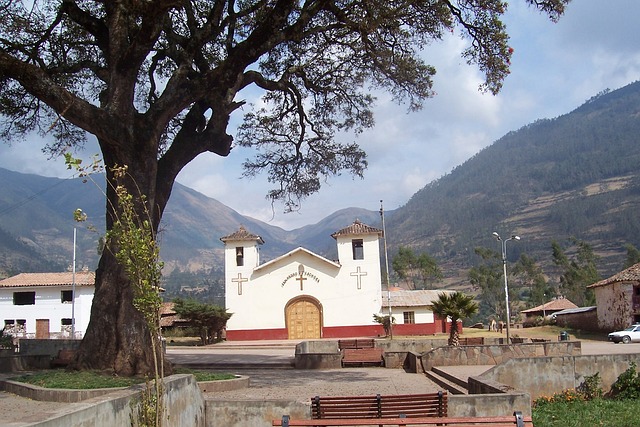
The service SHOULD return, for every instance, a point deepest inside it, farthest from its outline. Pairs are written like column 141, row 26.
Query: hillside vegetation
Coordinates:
column 577, row 175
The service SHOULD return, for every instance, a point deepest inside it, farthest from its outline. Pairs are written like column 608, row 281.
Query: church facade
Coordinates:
column 302, row 295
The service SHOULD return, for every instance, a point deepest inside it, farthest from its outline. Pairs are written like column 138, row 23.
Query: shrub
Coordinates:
column 591, row 387
column 627, row 386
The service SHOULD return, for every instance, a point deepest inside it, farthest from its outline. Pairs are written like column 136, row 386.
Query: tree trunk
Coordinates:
column 117, row 338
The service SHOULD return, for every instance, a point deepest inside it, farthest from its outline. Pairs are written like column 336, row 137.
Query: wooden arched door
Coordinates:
column 304, row 318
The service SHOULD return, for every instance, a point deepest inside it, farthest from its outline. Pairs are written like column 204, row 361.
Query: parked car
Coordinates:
column 632, row 333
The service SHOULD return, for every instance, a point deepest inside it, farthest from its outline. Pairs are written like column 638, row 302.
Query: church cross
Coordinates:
column 240, row 280
column 301, row 279
column 358, row 274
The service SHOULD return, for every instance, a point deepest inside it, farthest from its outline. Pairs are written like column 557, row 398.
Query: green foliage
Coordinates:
column 591, row 387
column 578, row 272
column 633, row 255
column 597, row 412
column 210, row 319
column 487, row 279
column 147, row 409
column 385, row 322
column 6, row 340
column 529, row 275
column 627, row 386
column 417, row 269
column 76, row 379
column 456, row 306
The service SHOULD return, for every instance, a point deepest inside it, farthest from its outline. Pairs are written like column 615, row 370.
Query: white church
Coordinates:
column 302, row 295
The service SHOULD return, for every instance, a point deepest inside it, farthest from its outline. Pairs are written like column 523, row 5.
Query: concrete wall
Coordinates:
column 488, row 405
column 29, row 347
column 184, row 403
column 250, row 413
column 543, row 376
column 496, row 354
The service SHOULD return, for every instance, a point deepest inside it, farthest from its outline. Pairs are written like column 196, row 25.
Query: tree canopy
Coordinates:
column 416, row 269
column 455, row 306
column 157, row 83
column 209, row 319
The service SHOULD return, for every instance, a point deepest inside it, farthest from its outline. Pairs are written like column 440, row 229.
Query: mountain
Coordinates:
column 36, row 226
column 577, row 175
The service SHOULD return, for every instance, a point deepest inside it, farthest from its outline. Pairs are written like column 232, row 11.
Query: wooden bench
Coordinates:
column 65, row 356
column 517, row 419
column 356, row 343
column 362, row 357
column 392, row 406
column 539, row 340
column 360, row 352
column 472, row 341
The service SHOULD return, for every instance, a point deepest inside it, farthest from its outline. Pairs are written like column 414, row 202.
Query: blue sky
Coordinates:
column 555, row 68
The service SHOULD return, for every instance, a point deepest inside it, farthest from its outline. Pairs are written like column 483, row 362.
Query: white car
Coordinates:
column 632, row 333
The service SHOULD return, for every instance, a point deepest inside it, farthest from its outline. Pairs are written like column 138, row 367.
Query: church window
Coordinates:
column 409, row 317
column 239, row 256
column 358, row 249
column 24, row 298
column 66, row 296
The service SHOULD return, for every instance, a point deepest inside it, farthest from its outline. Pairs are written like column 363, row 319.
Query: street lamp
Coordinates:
column 504, row 271
column 386, row 264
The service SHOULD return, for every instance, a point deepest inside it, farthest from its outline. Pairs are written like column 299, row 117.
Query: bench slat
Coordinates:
column 392, row 406
column 504, row 421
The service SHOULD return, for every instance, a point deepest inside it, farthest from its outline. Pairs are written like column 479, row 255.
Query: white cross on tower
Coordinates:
column 240, row 280
column 359, row 275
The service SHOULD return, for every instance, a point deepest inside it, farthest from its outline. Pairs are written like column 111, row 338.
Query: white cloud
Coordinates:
column 555, row 68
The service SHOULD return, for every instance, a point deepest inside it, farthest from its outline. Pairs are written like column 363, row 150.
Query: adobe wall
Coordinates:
column 496, row 354
column 543, row 376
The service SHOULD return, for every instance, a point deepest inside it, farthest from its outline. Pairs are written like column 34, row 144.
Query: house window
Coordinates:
column 239, row 256
column 409, row 317
column 66, row 296
column 358, row 249
column 65, row 322
column 24, row 298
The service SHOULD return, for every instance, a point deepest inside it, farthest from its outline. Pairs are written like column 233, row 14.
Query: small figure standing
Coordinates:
column 492, row 325
column 500, row 326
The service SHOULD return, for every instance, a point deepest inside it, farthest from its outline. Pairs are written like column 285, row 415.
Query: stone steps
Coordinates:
column 446, row 381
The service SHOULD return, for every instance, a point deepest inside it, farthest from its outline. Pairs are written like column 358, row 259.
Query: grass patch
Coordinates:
column 206, row 375
column 85, row 380
column 597, row 412
column 77, row 380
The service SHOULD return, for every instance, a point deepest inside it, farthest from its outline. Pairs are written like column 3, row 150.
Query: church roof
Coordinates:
column 23, row 280
column 556, row 304
column 242, row 235
column 357, row 228
column 416, row 298
column 631, row 274
column 293, row 252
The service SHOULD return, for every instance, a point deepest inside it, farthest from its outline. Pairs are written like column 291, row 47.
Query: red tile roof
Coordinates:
column 631, row 274
column 82, row 278
column 357, row 228
column 554, row 305
column 242, row 234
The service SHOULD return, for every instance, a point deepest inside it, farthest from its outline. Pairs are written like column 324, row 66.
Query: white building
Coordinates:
column 41, row 305
column 302, row 295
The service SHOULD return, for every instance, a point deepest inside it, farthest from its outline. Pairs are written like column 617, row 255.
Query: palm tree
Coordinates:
column 456, row 306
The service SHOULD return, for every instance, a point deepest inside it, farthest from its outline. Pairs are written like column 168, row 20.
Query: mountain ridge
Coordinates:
column 577, row 175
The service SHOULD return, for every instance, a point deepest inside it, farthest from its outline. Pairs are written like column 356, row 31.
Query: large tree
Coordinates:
column 157, row 82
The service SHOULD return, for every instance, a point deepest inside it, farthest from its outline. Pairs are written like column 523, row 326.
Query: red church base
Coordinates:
column 342, row 331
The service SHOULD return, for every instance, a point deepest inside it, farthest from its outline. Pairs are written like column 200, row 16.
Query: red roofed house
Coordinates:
column 546, row 310
column 618, row 299
column 42, row 305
